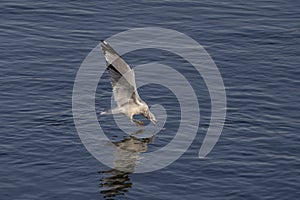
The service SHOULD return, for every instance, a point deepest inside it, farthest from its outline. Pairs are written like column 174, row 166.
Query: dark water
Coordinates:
column 256, row 46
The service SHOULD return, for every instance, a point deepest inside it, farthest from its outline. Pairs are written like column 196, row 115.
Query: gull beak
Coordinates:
column 154, row 121
column 151, row 117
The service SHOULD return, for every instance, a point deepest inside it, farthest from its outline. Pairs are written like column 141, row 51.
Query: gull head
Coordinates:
column 145, row 111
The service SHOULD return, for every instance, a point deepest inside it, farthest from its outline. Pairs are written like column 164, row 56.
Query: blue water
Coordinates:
column 256, row 46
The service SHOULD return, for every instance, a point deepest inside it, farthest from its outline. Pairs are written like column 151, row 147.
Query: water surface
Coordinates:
column 256, row 48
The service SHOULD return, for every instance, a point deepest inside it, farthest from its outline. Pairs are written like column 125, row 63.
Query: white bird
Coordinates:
column 124, row 87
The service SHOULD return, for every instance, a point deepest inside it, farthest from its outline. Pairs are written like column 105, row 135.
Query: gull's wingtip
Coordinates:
column 103, row 42
column 104, row 45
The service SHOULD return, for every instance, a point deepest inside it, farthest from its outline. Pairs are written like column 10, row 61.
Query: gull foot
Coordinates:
column 139, row 122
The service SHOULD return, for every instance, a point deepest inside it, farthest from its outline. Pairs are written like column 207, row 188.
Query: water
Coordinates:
column 256, row 48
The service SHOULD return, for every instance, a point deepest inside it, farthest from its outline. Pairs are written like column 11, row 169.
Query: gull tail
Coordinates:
column 112, row 111
column 106, row 112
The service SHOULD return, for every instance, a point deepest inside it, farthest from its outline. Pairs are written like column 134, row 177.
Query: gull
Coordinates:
column 125, row 92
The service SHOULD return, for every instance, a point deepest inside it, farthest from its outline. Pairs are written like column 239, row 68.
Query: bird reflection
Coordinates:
column 117, row 181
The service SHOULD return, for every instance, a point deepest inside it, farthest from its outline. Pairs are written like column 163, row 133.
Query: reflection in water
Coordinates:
column 117, row 181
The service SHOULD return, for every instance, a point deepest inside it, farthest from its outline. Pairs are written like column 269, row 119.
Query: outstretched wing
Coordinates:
column 122, row 77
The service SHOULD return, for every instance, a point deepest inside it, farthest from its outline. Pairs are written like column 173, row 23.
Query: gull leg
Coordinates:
column 139, row 123
column 136, row 124
column 131, row 120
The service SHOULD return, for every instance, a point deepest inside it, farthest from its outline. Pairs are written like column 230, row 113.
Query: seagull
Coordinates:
column 125, row 92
